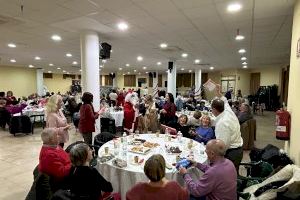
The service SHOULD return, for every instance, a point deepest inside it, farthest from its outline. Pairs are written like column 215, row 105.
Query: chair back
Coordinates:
column 248, row 133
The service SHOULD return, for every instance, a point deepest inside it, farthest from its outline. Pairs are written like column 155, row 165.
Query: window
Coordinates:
column 159, row 80
column 129, row 81
column 227, row 82
column 108, row 80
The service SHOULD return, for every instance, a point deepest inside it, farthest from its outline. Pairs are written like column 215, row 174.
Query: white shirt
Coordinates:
column 228, row 127
column 113, row 96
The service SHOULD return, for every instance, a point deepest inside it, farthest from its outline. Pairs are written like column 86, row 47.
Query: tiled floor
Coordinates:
column 19, row 156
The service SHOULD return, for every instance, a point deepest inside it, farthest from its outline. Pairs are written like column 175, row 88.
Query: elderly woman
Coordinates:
column 56, row 118
column 158, row 187
column 204, row 133
column 86, row 181
column 151, row 114
column 183, row 127
column 245, row 113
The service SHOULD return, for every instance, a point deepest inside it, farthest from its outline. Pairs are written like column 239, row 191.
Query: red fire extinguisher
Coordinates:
column 283, row 124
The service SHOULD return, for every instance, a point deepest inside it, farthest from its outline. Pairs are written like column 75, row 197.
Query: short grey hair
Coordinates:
column 79, row 154
column 218, row 147
column 48, row 134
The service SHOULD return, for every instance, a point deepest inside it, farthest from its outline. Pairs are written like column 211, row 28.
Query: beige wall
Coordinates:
column 58, row 84
column 293, row 146
column 20, row 80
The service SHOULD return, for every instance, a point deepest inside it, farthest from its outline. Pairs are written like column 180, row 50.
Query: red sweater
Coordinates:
column 54, row 162
column 171, row 191
column 87, row 119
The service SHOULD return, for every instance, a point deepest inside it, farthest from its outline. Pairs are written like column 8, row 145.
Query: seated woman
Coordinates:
column 4, row 114
column 204, row 133
column 183, row 127
column 245, row 113
column 158, row 187
column 86, row 181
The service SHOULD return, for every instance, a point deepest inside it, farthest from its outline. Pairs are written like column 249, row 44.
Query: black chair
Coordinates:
column 108, row 125
column 34, row 120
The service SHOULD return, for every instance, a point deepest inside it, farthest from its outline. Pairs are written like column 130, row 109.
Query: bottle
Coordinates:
column 179, row 136
column 124, row 146
column 124, row 137
column 166, row 134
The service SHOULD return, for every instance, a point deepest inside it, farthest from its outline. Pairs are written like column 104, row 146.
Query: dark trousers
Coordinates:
column 88, row 138
column 236, row 156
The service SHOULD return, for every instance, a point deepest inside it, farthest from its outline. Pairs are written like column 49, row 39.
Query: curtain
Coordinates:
column 129, row 81
column 254, row 83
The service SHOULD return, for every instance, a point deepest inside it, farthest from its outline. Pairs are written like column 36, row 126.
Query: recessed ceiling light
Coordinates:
column 127, row 65
column 30, row 66
column 80, row 70
column 182, row 69
column 234, row 7
column 50, row 64
column 139, row 58
column 56, row 37
column 211, row 68
column 244, row 63
column 163, row 45
column 13, row 60
column 197, row 61
column 243, row 58
column 120, row 68
column 158, row 63
column 184, row 55
column 146, row 72
column 64, row 71
column 190, row 71
column 101, row 66
column 49, row 71
column 104, row 61
column 11, row 45
column 122, row 26
column 139, row 73
column 128, row 72
column 241, row 51
column 111, row 51
column 144, row 67
column 245, row 66
column 74, row 63
column 59, row 68
column 239, row 37
column 134, row 70
column 68, row 72
column 167, row 71
column 37, row 58
column 68, row 55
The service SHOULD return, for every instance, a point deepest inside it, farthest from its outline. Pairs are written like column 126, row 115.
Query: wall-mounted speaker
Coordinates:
column 105, row 50
column 150, row 74
column 170, row 66
column 154, row 74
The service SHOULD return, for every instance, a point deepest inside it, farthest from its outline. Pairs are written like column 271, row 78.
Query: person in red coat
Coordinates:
column 120, row 98
column 87, row 118
column 130, row 113
column 53, row 160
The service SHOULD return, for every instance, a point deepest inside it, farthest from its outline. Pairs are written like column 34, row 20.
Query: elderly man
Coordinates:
column 227, row 128
column 53, row 160
column 245, row 113
column 219, row 178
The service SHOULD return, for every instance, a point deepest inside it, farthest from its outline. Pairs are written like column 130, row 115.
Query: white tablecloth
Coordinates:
column 118, row 116
column 33, row 111
column 123, row 179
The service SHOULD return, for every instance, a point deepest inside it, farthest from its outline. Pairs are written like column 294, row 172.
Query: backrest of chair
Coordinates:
column 43, row 187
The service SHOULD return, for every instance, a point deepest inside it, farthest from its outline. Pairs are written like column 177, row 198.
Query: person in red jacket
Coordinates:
column 53, row 160
column 130, row 112
column 87, row 118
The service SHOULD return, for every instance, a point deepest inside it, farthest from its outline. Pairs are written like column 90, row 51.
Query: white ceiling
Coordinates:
column 202, row 28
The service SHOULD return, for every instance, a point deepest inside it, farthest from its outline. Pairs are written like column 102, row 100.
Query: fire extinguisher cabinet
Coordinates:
column 283, row 124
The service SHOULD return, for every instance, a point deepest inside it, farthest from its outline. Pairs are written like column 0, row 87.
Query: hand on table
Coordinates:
column 193, row 162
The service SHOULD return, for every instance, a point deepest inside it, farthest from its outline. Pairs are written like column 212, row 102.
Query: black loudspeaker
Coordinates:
column 112, row 75
column 105, row 50
column 170, row 67
column 154, row 74
column 150, row 74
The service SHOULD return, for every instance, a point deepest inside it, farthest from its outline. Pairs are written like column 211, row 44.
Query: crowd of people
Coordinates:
column 145, row 113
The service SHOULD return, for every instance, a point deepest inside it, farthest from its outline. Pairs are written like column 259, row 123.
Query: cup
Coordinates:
column 106, row 149
column 190, row 144
column 169, row 138
column 136, row 159
column 157, row 134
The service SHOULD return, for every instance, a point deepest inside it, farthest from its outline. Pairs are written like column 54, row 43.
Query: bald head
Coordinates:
column 217, row 146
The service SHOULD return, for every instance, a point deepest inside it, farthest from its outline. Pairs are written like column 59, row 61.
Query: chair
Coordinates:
column 41, row 117
column 248, row 132
column 108, row 125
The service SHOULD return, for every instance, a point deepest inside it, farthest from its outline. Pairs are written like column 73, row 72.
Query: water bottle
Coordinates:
column 166, row 134
column 124, row 146
column 124, row 137
column 179, row 136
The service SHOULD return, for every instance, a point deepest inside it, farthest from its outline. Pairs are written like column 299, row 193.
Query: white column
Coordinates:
column 172, row 81
column 155, row 85
column 89, row 45
column 198, row 82
column 40, row 82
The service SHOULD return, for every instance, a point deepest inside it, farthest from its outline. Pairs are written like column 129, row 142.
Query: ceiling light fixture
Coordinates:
column 56, row 38
column 234, row 7
column 134, row 70
column 184, row 55
column 120, row 68
column 163, row 45
column 182, row 69
column 104, row 61
column 37, row 58
column 49, row 71
column 243, row 58
column 139, row 58
column 80, row 70
column 13, row 60
column 101, row 66
column 30, row 66
column 128, row 72
column 122, row 26
column 241, row 51
column 68, row 55
column 50, row 64
column 197, row 61
column 58, row 68
column 11, row 45
column 211, row 68
column 147, row 72
column 127, row 65
column 245, row 66
column 144, row 67
column 190, row 71
column 244, row 63
column 74, row 63
column 158, row 63
column 64, row 71
column 238, row 36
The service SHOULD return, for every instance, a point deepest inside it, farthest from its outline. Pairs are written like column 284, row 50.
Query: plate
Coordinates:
column 139, row 150
column 173, row 150
column 150, row 145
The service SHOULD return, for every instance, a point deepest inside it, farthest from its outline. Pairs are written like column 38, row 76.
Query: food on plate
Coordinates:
column 104, row 159
column 171, row 149
column 150, row 144
column 119, row 163
column 137, row 149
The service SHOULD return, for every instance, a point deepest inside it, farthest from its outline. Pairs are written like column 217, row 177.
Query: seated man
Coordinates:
column 219, row 178
column 245, row 113
column 53, row 160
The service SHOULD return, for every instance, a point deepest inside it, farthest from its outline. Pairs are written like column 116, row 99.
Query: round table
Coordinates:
column 125, row 178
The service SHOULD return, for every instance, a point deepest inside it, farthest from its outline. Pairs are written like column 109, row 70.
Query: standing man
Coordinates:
column 227, row 128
